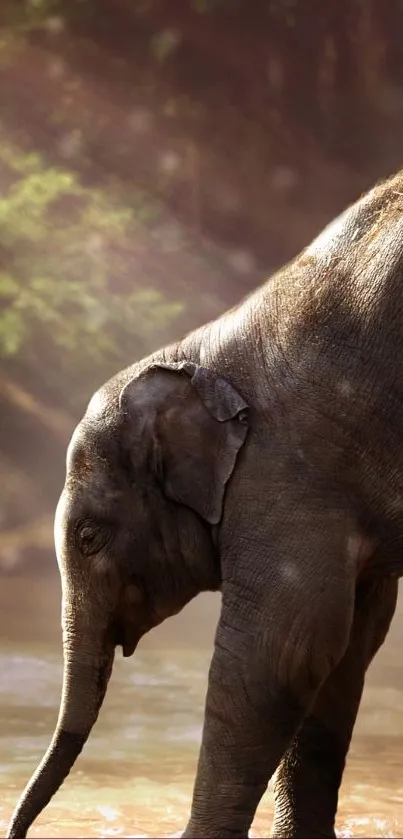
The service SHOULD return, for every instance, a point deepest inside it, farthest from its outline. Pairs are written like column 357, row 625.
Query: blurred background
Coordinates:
column 158, row 160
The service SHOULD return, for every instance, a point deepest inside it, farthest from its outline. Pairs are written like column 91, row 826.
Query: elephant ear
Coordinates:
column 198, row 423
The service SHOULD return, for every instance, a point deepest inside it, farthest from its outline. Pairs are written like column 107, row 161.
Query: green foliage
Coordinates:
column 58, row 243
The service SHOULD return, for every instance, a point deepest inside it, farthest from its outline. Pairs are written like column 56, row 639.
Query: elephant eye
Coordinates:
column 90, row 539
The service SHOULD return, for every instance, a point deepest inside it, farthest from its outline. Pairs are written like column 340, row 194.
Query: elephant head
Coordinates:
column 145, row 482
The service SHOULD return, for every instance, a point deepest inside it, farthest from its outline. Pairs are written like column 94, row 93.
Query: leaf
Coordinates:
column 9, row 287
column 11, row 332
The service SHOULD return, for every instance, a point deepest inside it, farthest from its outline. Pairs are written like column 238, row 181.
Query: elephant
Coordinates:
column 260, row 456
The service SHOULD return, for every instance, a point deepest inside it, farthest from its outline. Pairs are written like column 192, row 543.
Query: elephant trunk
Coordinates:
column 85, row 680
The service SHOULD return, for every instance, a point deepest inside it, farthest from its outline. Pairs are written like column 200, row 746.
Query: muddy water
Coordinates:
column 135, row 775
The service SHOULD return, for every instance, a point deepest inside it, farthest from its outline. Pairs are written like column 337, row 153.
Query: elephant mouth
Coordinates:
column 128, row 648
column 128, row 638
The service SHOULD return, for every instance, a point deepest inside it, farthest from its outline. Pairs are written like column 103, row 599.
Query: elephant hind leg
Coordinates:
column 308, row 780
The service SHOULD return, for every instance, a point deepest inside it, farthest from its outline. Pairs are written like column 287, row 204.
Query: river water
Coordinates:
column 136, row 773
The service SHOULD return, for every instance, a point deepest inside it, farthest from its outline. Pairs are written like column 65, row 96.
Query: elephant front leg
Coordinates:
column 284, row 625
column 260, row 689
column 308, row 780
column 248, row 724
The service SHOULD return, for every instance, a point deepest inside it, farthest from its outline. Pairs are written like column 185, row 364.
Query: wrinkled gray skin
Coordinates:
column 262, row 455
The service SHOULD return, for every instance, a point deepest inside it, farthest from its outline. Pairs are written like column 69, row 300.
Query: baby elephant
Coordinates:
column 261, row 456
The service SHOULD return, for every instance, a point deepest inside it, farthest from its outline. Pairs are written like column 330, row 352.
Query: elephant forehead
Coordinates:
column 101, row 406
column 91, row 448
column 78, row 456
